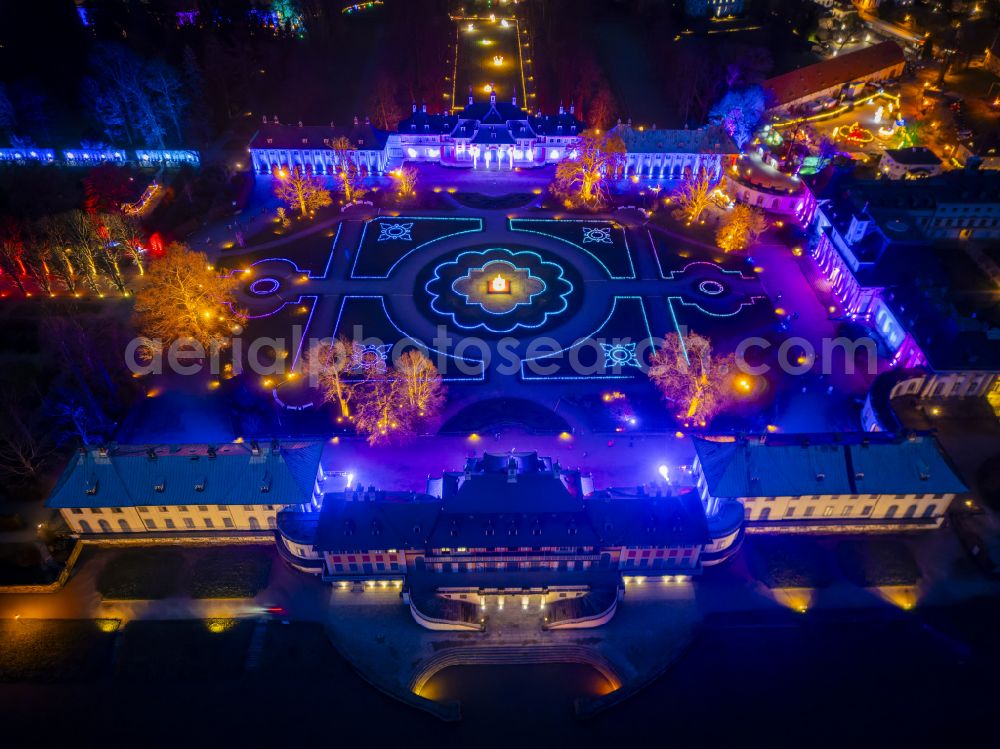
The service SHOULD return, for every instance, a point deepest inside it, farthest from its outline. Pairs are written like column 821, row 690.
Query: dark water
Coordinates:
column 539, row 695
column 883, row 679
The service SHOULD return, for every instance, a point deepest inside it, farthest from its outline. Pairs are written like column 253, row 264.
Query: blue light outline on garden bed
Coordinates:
column 513, row 254
column 628, row 252
column 298, row 352
column 305, row 329
column 483, row 267
column 269, row 292
column 610, row 360
column 333, row 249
column 579, row 341
column 364, row 232
column 284, row 303
column 385, row 311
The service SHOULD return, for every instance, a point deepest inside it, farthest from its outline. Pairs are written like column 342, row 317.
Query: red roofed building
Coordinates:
column 876, row 63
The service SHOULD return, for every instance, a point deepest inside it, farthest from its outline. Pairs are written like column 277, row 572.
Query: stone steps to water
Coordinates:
column 512, row 654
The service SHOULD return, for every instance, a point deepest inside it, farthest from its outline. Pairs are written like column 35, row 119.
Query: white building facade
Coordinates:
column 186, row 489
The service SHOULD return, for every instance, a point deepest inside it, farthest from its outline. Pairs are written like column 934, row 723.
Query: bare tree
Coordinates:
column 581, row 178
column 694, row 196
column 185, row 298
column 691, row 377
column 740, row 228
column 24, row 445
column 421, row 390
column 303, row 191
column 384, row 104
column 167, row 89
column 406, row 181
column 11, row 253
column 124, row 230
column 330, row 364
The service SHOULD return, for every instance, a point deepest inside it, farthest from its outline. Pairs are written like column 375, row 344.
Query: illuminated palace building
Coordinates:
column 506, row 513
column 194, row 490
column 822, row 483
column 487, row 135
column 907, row 260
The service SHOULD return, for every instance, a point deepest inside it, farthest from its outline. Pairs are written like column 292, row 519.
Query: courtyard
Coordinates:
column 555, row 359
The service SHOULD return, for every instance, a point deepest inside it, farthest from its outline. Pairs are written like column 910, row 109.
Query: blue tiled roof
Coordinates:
column 486, row 507
column 778, row 467
column 229, row 474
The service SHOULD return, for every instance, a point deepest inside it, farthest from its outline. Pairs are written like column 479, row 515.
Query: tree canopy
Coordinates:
column 185, row 299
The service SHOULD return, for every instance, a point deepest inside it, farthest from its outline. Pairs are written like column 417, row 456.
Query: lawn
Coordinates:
column 55, row 649
column 201, row 572
column 230, row 572
column 148, row 573
column 788, row 562
column 873, row 562
column 214, row 648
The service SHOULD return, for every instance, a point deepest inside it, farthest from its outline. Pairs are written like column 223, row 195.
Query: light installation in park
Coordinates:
column 854, row 134
column 498, row 290
column 499, row 285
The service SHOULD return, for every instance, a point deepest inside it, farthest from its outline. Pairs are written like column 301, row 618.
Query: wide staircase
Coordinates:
column 503, row 655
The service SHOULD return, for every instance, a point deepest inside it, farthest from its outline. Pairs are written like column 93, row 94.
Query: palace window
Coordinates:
column 209, row 523
column 228, row 522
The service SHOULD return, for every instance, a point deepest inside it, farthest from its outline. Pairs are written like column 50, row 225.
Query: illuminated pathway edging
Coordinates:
column 696, row 284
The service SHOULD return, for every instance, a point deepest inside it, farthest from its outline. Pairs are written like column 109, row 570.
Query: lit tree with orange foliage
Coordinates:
column 185, row 299
column 329, row 364
column 694, row 196
column 393, row 404
column 378, row 412
column 694, row 380
column 740, row 228
column 421, row 390
column 350, row 180
column 406, row 181
column 583, row 181
column 303, row 191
